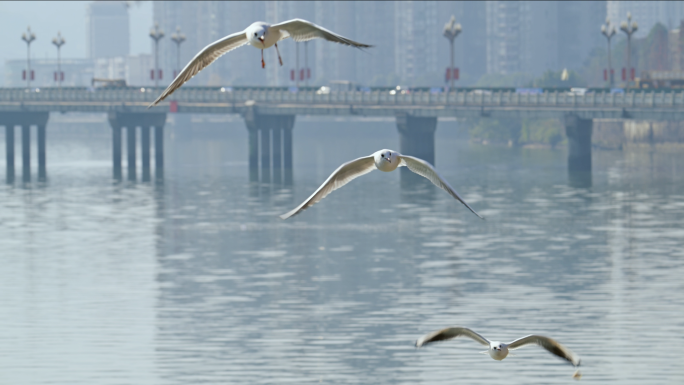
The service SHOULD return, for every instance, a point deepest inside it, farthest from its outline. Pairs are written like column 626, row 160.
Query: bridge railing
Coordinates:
column 473, row 97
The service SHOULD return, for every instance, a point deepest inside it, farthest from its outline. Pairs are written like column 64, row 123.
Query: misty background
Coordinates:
column 502, row 43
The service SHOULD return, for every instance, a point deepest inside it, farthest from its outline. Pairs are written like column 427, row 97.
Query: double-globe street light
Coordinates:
column 28, row 37
column 156, row 34
column 177, row 38
column 59, row 42
column 629, row 27
column 608, row 31
column 451, row 30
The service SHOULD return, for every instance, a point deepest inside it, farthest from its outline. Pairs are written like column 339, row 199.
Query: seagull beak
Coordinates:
column 261, row 39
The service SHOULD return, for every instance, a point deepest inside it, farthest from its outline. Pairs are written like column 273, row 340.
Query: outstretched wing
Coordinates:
column 426, row 170
column 343, row 175
column 205, row 57
column 553, row 346
column 449, row 333
column 302, row 30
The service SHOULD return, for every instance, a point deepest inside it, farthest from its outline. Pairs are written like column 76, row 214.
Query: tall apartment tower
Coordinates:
column 416, row 37
column 107, row 29
column 645, row 13
column 535, row 36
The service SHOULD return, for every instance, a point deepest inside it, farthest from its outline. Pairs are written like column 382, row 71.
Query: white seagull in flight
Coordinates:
column 261, row 36
column 383, row 160
column 499, row 350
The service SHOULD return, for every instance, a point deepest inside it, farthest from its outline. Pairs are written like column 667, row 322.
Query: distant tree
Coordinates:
column 653, row 52
column 505, row 80
column 553, row 79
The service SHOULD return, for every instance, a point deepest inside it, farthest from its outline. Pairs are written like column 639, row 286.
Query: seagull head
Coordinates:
column 386, row 160
column 497, row 350
column 256, row 33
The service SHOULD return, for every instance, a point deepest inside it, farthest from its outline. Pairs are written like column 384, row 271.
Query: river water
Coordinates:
column 197, row 281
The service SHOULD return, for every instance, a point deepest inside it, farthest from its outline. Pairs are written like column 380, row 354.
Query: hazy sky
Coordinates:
column 68, row 17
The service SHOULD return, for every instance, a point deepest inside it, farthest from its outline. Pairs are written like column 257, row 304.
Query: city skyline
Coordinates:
column 499, row 37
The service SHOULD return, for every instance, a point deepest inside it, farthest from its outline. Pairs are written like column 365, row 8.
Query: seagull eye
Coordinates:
column 255, row 33
column 382, row 155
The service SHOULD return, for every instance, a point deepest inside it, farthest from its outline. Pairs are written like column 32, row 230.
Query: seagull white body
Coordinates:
column 499, row 350
column 383, row 160
column 259, row 35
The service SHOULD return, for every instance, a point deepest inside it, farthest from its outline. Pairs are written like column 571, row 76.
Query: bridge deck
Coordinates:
column 639, row 104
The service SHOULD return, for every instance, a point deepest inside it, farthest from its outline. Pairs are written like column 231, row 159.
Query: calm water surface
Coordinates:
column 197, row 281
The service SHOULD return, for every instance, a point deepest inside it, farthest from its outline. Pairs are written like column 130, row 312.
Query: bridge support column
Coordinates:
column 279, row 149
column 579, row 132
column 26, row 153
column 253, row 154
column 287, row 152
column 116, row 152
column 130, row 152
column 159, row 150
column 265, row 134
column 9, row 152
column 131, row 120
column 416, row 138
column 25, row 120
column 145, row 152
column 277, row 155
column 42, row 161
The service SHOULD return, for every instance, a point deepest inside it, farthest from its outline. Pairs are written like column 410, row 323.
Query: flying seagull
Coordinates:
column 499, row 350
column 261, row 36
column 383, row 160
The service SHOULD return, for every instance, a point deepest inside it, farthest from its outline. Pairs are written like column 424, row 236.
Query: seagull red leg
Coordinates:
column 263, row 63
column 279, row 58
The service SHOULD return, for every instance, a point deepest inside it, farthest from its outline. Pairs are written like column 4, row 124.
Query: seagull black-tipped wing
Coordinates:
column 449, row 333
column 343, row 175
column 426, row 170
column 302, row 30
column 205, row 57
column 553, row 346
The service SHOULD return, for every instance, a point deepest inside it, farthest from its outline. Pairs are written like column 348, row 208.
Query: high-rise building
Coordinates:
column 535, row 36
column 416, row 35
column 107, row 29
column 647, row 13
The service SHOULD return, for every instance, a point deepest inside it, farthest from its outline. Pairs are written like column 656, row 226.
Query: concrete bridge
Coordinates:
column 269, row 115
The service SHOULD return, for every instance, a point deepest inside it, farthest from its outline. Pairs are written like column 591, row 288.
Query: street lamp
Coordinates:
column 177, row 38
column 156, row 34
column 28, row 37
column 608, row 31
column 451, row 30
column 59, row 42
column 629, row 27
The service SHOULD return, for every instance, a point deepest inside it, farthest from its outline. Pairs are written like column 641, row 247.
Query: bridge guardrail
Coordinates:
column 475, row 97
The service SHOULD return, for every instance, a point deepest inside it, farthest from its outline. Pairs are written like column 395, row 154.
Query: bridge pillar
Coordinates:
column 25, row 120
column 276, row 138
column 265, row 135
column 579, row 132
column 145, row 153
column 116, row 152
column 42, row 161
column 130, row 152
column 131, row 120
column 253, row 154
column 159, row 150
column 416, row 138
column 9, row 152
column 275, row 150
column 26, row 153
column 287, row 152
